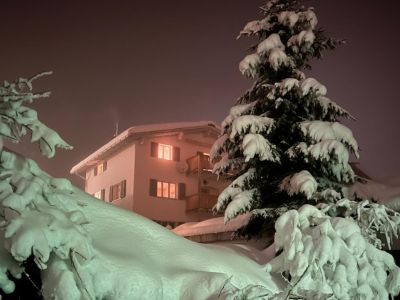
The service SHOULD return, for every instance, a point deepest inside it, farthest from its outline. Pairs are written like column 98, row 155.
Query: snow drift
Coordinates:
column 88, row 249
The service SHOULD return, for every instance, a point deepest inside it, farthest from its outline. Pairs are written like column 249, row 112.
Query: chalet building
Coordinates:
column 159, row 171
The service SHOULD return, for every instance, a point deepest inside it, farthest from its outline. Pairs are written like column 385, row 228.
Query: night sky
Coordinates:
column 143, row 62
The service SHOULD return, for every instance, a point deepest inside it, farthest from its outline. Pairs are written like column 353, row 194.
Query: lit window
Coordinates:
column 165, row 187
column 172, row 190
column 100, row 168
column 166, row 190
column 164, row 151
column 100, row 194
column 159, row 189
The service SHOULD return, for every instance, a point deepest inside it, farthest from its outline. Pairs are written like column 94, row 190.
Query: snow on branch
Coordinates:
column 255, row 145
column 323, row 257
column 270, row 43
column 235, row 112
column 374, row 219
column 320, row 130
column 218, row 147
column 236, row 187
column 300, row 183
column 249, row 65
column 329, row 107
column 310, row 84
column 241, row 203
column 331, row 153
column 254, row 27
column 16, row 120
column 251, row 124
column 226, row 164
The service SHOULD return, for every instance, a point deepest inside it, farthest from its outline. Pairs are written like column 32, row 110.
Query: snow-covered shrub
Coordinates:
column 324, row 257
column 378, row 223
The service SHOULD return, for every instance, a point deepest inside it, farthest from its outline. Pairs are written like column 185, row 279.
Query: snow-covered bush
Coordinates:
column 324, row 257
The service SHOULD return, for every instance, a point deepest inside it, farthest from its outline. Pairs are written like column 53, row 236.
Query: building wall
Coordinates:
column 120, row 167
column 135, row 164
column 148, row 167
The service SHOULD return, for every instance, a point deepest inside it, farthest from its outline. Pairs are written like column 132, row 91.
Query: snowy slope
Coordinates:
column 214, row 225
column 157, row 264
column 89, row 249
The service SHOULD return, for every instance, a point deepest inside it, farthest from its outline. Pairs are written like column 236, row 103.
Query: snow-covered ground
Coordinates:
column 148, row 261
column 214, row 225
column 89, row 249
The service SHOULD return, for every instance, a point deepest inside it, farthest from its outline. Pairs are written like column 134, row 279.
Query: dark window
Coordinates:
column 118, row 191
column 181, row 191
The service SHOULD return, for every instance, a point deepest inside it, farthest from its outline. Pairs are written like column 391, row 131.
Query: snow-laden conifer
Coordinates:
column 285, row 127
column 291, row 168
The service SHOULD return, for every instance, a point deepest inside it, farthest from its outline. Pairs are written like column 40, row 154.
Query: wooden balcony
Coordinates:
column 199, row 162
column 200, row 202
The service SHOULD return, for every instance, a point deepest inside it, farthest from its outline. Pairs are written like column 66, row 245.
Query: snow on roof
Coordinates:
column 214, row 225
column 142, row 129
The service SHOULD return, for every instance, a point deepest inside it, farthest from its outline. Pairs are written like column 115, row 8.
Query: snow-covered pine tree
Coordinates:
column 282, row 143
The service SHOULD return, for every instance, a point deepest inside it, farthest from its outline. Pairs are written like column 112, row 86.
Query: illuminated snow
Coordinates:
column 288, row 18
column 302, row 182
column 250, row 124
column 89, row 249
column 309, row 85
column 271, row 42
column 320, row 130
column 248, row 66
column 328, row 257
column 277, row 58
column 256, row 145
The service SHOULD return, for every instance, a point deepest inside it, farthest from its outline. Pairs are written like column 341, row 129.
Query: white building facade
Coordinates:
column 160, row 171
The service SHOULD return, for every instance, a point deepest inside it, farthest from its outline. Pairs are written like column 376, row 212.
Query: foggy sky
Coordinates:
column 143, row 62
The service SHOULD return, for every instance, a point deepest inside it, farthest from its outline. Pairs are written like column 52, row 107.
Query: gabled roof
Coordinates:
column 138, row 131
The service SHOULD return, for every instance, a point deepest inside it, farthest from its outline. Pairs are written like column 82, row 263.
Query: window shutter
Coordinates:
column 104, row 165
column 110, row 194
column 176, row 154
column 153, row 149
column 181, row 191
column 95, row 170
column 123, row 189
column 103, row 194
column 153, row 188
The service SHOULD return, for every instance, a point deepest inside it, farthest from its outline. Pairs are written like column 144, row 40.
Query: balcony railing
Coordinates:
column 200, row 202
column 199, row 162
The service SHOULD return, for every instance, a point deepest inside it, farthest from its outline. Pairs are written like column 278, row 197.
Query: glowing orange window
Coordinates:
column 165, row 151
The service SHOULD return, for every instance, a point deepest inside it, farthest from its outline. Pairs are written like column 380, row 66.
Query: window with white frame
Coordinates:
column 170, row 190
column 164, row 152
column 166, row 190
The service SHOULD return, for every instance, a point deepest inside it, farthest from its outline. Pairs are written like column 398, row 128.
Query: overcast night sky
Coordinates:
column 143, row 62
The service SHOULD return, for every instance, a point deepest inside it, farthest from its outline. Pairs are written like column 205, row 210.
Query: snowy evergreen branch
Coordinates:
column 16, row 120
